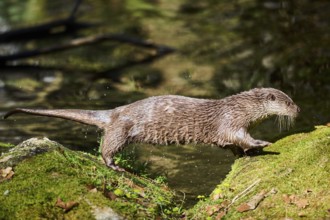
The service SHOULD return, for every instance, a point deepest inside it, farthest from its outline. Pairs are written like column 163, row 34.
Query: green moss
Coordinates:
column 6, row 145
column 301, row 168
column 40, row 180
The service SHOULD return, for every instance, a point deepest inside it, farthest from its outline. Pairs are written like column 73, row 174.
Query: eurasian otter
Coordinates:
column 180, row 120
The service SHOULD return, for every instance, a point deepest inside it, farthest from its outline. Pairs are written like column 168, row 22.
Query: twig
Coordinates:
column 74, row 10
column 255, row 200
column 243, row 193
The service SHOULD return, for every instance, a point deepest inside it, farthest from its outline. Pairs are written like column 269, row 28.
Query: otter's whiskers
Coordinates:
column 285, row 122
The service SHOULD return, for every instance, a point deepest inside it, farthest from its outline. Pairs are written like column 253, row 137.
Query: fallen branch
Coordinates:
column 60, row 26
column 69, row 24
column 111, row 73
column 86, row 41
column 44, row 30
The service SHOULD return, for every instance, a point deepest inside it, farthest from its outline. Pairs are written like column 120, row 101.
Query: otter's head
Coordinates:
column 278, row 103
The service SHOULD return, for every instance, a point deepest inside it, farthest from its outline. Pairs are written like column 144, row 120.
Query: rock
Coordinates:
column 50, row 181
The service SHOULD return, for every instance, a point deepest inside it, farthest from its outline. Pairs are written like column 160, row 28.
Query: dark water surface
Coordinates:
column 223, row 47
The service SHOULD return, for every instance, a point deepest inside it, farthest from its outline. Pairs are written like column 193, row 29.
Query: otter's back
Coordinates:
column 169, row 119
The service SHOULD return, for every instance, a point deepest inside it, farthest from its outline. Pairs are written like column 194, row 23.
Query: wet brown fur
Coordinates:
column 180, row 120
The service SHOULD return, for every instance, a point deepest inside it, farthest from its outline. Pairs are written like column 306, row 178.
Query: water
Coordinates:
column 222, row 48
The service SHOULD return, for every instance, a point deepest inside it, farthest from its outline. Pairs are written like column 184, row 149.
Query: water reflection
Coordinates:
column 191, row 169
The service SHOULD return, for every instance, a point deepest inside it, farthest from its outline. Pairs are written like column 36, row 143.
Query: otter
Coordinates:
column 173, row 119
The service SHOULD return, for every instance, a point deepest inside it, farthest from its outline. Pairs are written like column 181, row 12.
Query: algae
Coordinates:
column 297, row 168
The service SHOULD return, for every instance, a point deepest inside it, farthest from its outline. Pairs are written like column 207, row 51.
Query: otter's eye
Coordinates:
column 288, row 103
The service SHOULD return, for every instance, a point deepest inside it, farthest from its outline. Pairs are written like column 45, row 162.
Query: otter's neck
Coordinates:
column 247, row 108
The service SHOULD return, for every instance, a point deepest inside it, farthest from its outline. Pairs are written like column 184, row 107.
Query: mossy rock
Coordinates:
column 290, row 180
column 41, row 179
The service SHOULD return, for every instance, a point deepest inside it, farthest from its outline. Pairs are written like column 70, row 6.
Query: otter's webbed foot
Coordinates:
column 111, row 164
column 256, row 144
column 116, row 168
column 260, row 143
column 113, row 140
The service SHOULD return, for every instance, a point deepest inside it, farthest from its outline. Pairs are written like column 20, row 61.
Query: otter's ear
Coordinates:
column 271, row 97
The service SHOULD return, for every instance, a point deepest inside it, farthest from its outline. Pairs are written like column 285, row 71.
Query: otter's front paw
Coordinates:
column 260, row 143
column 256, row 144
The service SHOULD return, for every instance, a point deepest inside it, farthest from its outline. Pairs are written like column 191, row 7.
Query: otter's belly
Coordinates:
column 179, row 134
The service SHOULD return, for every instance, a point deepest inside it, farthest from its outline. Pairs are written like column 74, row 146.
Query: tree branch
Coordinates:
column 161, row 49
column 47, row 29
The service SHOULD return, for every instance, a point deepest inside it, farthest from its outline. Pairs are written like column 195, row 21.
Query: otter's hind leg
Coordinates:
column 114, row 139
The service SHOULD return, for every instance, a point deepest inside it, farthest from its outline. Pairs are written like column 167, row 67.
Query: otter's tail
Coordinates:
column 90, row 117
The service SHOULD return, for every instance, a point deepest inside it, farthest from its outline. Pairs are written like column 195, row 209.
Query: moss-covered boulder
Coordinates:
column 40, row 179
column 289, row 181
